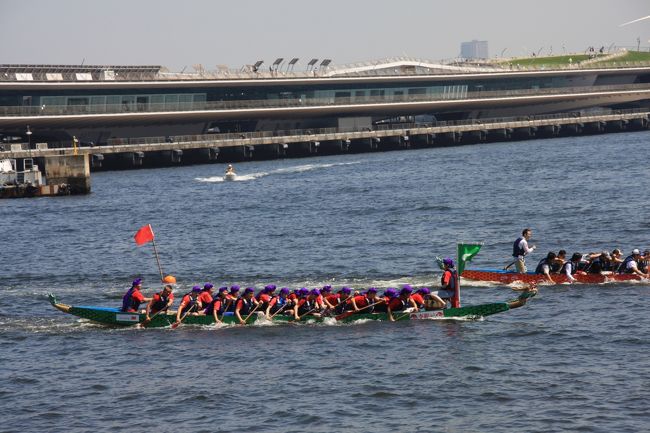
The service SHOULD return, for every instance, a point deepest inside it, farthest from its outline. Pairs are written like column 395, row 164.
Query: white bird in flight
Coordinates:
column 635, row 21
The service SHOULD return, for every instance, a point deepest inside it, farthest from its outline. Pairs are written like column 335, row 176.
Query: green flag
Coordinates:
column 465, row 254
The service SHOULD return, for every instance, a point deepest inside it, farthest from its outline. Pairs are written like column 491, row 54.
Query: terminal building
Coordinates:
column 98, row 103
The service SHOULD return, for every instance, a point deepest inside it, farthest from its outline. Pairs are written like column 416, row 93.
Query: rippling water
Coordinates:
column 574, row 359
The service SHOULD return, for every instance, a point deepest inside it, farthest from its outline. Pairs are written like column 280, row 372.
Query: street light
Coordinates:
column 29, row 141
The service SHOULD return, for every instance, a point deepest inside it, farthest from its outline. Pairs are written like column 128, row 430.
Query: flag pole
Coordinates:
column 457, row 275
column 155, row 251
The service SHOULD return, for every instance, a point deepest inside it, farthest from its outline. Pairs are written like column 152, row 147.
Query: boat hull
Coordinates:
column 114, row 317
column 509, row 277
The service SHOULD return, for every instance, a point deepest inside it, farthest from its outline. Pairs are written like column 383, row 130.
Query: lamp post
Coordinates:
column 29, row 140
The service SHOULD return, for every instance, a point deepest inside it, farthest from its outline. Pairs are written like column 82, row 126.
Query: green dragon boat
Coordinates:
column 115, row 317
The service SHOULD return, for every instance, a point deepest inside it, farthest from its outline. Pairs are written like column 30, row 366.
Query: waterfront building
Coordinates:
column 474, row 50
column 97, row 103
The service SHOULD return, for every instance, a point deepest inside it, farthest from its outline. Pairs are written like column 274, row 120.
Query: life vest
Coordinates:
column 191, row 303
column 128, row 303
column 159, row 303
column 280, row 304
column 540, row 265
column 574, row 267
column 342, row 305
column 623, row 269
column 452, row 281
column 247, row 306
column 516, row 249
column 306, row 307
column 403, row 304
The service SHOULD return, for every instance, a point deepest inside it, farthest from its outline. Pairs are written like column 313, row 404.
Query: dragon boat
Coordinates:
column 116, row 318
column 508, row 277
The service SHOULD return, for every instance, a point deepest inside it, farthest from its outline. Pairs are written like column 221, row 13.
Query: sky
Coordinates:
column 181, row 33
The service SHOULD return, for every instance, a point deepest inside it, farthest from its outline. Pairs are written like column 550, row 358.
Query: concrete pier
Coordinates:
column 71, row 172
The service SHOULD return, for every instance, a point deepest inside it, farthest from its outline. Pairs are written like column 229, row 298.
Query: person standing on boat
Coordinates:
column 401, row 303
column 448, row 282
column 230, row 169
column 189, row 304
column 246, row 305
column 133, row 297
column 544, row 266
column 160, row 302
column 520, row 250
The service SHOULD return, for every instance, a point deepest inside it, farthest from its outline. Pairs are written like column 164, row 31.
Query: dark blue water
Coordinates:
column 574, row 359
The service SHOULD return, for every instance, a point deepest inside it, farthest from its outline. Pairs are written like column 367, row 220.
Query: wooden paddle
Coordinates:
column 145, row 322
column 251, row 313
column 400, row 317
column 307, row 313
column 349, row 313
column 189, row 310
column 279, row 309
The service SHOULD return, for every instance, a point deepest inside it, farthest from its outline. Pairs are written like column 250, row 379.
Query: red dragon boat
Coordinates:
column 508, row 277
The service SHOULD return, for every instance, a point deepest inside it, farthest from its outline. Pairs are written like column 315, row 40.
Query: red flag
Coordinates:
column 144, row 235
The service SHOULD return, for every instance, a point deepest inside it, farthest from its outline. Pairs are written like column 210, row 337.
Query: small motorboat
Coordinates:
column 230, row 173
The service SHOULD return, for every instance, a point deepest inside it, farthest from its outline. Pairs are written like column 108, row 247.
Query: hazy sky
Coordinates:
column 181, row 33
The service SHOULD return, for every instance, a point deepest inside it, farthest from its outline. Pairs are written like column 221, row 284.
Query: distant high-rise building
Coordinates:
column 474, row 50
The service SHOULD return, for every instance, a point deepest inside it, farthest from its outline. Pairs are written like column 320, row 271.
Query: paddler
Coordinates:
column 544, row 266
column 232, row 298
column 265, row 296
column 520, row 250
column 307, row 306
column 389, row 294
column 279, row 304
column 631, row 264
column 343, row 300
column 366, row 301
column 133, row 297
column 431, row 300
column 160, row 302
column 219, row 304
column 570, row 268
column 190, row 303
column 246, row 305
column 206, row 296
column 401, row 303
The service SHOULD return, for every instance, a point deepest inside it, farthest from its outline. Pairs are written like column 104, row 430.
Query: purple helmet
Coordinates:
column 390, row 292
column 304, row 291
column 270, row 287
column 424, row 290
column 284, row 291
column 196, row 288
column 346, row 290
column 448, row 262
column 315, row 292
column 249, row 290
column 371, row 290
column 137, row 282
column 407, row 286
column 326, row 288
column 405, row 291
column 207, row 286
column 223, row 289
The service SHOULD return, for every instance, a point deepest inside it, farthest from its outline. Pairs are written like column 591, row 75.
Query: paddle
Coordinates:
column 408, row 312
column 279, row 309
column 349, row 313
column 145, row 322
column 251, row 313
column 189, row 310
column 306, row 314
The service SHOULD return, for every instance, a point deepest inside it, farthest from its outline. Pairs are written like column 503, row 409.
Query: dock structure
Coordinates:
column 165, row 151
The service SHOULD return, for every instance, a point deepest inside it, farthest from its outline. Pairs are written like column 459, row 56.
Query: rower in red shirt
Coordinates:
column 280, row 304
column 189, row 304
column 367, row 301
column 160, row 302
column 307, row 305
column 431, row 300
column 403, row 302
column 206, row 295
column 246, row 305
column 344, row 300
column 219, row 304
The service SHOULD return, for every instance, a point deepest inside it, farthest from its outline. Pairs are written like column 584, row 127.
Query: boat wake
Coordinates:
column 258, row 175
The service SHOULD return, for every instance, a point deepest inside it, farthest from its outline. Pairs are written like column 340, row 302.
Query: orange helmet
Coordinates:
column 169, row 279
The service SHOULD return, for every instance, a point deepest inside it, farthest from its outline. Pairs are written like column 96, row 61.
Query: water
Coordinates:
column 574, row 359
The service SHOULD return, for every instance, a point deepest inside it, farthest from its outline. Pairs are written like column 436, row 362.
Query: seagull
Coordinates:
column 634, row 21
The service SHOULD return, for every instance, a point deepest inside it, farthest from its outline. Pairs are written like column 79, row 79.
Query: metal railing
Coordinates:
column 59, row 110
